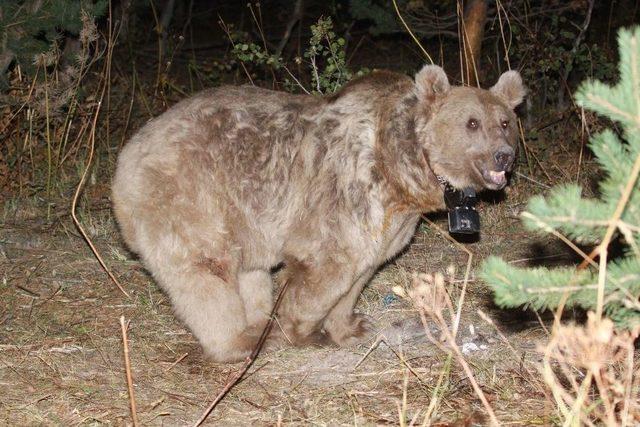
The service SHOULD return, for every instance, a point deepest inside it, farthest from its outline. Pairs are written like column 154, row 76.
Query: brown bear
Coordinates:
column 226, row 185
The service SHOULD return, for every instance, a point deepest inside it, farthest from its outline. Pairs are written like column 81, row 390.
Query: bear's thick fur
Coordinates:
column 227, row 184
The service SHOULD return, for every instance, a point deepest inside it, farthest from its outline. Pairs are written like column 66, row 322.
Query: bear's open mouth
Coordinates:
column 496, row 178
column 484, row 177
column 492, row 179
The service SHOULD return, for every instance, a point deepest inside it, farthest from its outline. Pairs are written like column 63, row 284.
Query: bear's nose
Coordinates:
column 504, row 158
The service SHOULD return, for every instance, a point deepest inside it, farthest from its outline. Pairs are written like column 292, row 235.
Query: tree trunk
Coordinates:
column 296, row 16
column 165, row 21
column 475, row 15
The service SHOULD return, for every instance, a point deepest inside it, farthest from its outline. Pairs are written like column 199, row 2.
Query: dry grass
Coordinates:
column 591, row 371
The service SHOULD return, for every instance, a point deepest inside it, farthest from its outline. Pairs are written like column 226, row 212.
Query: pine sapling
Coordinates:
column 605, row 286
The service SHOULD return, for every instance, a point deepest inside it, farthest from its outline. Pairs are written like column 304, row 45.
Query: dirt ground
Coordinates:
column 61, row 350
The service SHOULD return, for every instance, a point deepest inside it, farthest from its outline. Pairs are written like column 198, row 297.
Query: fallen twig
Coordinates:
column 451, row 344
column 178, row 360
column 127, row 366
column 467, row 273
column 430, row 297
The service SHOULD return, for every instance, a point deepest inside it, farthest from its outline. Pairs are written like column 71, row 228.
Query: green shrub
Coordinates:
column 324, row 59
column 30, row 28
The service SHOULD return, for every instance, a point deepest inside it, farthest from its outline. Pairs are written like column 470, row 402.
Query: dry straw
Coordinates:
column 430, row 297
column 590, row 371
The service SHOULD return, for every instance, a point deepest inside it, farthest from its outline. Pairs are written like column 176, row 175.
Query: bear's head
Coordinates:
column 469, row 135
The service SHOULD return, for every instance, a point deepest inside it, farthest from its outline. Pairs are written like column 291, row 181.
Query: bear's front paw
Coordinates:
column 356, row 329
column 282, row 336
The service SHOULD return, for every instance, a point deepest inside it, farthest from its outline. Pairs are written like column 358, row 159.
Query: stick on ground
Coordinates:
column 127, row 366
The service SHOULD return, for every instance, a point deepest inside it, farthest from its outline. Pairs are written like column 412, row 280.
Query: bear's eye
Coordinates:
column 473, row 124
column 504, row 124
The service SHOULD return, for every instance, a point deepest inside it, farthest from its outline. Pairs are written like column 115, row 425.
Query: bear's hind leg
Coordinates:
column 207, row 298
column 256, row 290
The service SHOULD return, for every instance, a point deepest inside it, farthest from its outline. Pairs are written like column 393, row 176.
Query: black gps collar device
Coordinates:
column 461, row 204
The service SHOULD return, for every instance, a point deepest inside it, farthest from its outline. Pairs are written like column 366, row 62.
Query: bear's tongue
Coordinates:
column 497, row 178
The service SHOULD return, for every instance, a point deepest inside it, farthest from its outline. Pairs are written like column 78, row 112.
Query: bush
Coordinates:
column 32, row 28
column 325, row 59
column 46, row 105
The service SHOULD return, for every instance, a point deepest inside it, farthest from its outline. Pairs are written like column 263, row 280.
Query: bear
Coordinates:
column 229, row 184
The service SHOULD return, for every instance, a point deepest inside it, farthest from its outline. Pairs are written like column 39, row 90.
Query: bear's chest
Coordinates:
column 397, row 233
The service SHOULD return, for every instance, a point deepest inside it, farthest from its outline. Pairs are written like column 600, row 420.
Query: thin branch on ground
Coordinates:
column 178, row 360
column 451, row 344
column 127, row 365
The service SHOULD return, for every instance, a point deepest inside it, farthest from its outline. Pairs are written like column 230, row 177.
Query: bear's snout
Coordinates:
column 495, row 173
column 504, row 158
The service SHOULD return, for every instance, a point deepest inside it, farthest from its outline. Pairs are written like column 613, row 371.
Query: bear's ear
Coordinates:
column 510, row 89
column 431, row 81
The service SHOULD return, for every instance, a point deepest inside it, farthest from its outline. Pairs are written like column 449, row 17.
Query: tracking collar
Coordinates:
column 461, row 206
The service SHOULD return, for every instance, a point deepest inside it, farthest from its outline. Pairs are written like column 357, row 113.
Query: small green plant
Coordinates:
column 255, row 54
column 612, row 287
column 325, row 59
column 325, row 47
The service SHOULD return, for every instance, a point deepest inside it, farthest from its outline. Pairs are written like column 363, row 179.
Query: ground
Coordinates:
column 61, row 348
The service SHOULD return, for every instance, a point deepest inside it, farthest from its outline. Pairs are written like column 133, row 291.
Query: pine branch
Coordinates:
column 542, row 288
column 564, row 210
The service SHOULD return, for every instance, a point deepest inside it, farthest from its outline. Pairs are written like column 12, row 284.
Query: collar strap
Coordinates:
column 444, row 183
